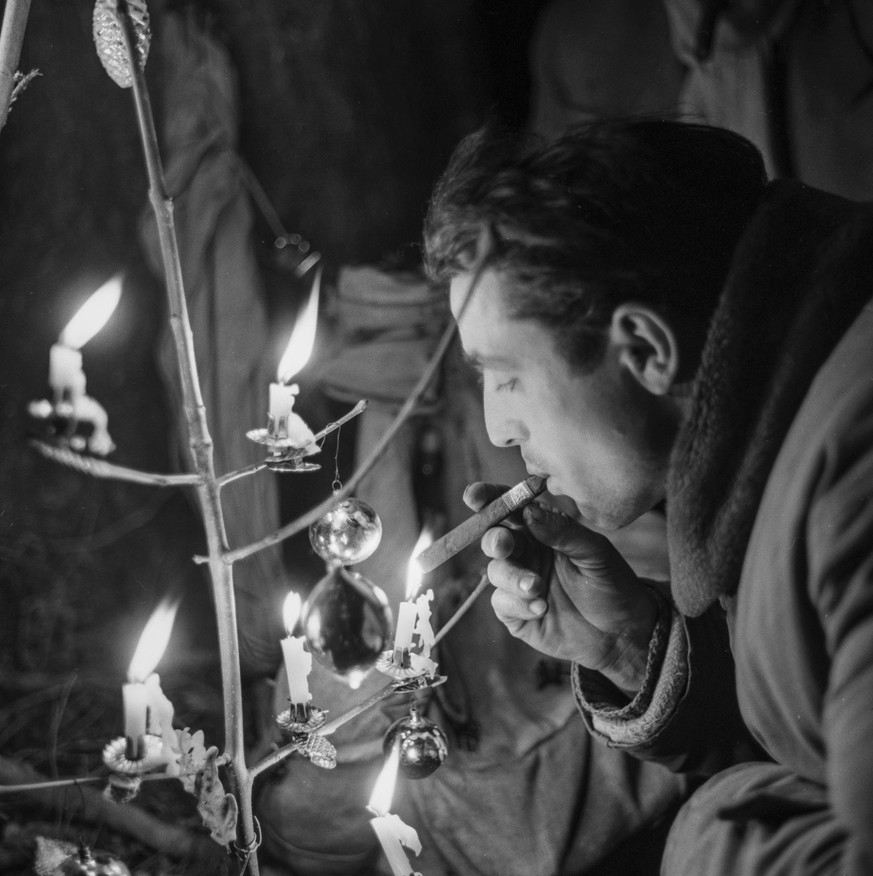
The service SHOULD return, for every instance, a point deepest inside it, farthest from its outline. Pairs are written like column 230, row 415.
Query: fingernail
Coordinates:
column 538, row 606
column 527, row 583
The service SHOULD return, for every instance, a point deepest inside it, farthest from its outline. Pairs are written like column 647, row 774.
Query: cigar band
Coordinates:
column 519, row 494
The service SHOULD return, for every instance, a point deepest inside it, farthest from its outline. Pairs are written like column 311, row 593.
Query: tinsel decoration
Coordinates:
column 109, row 38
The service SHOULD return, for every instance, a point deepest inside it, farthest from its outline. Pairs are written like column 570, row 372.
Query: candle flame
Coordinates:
column 383, row 790
column 92, row 315
column 291, row 611
column 414, row 575
column 153, row 641
column 302, row 339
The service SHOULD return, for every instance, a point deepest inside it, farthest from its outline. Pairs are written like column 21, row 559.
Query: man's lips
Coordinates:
column 537, row 470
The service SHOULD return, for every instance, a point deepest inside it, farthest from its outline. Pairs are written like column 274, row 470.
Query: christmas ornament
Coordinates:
column 349, row 533
column 109, row 40
column 421, row 743
column 84, row 861
column 346, row 621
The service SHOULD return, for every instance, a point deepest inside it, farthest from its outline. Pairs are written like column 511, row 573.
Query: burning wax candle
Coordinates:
column 393, row 833
column 160, row 722
column 135, row 693
column 298, row 661
column 66, row 377
column 423, row 629
column 283, row 422
column 407, row 612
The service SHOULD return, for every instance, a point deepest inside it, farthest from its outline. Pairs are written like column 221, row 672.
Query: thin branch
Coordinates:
column 11, row 37
column 332, row 726
column 208, row 490
column 463, row 608
column 359, row 408
column 98, row 468
column 49, row 785
column 232, row 476
column 320, row 510
column 403, row 415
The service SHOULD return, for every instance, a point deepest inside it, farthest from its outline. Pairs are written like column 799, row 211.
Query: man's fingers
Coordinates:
column 515, row 580
column 498, row 543
column 511, row 610
column 561, row 533
column 479, row 494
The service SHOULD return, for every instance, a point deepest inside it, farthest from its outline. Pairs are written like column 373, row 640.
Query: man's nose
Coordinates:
column 504, row 426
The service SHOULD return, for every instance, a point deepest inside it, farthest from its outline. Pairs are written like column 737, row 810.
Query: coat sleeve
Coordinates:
column 840, row 557
column 686, row 715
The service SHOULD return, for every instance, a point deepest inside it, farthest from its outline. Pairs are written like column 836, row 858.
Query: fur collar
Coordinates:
column 802, row 272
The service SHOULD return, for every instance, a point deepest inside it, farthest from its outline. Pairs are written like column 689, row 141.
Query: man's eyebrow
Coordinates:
column 477, row 361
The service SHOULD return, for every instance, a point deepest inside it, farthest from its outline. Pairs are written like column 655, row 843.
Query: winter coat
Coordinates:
column 771, row 528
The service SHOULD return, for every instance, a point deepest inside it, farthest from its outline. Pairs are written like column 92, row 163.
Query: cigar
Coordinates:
column 473, row 528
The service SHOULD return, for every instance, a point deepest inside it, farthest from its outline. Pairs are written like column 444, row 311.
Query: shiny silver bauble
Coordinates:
column 347, row 622
column 421, row 742
column 349, row 533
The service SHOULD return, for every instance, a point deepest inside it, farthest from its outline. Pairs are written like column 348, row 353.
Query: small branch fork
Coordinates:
column 11, row 37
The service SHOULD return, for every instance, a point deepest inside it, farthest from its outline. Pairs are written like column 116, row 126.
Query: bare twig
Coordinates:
column 11, row 37
column 359, row 408
column 130, row 820
column 403, row 415
column 232, row 476
column 463, row 608
column 98, row 468
column 320, row 510
column 208, row 490
column 334, row 725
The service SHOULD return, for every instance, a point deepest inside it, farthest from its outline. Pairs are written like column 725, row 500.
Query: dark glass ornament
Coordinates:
column 84, row 861
column 422, row 744
column 347, row 622
column 349, row 533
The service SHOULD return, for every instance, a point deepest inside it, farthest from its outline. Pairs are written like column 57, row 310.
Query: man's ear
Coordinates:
column 646, row 345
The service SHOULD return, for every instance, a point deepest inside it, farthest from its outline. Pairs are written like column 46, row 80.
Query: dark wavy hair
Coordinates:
column 613, row 211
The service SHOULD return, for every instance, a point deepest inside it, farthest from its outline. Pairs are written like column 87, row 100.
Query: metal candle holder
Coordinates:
column 79, row 425
column 286, row 454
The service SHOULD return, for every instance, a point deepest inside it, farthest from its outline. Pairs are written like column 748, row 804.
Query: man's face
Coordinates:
column 601, row 438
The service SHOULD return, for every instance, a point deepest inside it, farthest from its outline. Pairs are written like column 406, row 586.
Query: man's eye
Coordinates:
column 508, row 386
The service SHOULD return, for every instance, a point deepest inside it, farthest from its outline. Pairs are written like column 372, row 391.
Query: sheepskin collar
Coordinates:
column 802, row 272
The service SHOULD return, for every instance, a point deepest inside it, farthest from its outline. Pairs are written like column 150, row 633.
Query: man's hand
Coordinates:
column 567, row 592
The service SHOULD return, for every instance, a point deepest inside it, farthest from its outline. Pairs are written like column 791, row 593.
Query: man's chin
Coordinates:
column 587, row 516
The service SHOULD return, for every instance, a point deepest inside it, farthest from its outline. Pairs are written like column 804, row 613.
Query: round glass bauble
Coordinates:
column 421, row 742
column 349, row 533
column 347, row 622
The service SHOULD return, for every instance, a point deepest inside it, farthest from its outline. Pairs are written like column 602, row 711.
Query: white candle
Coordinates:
column 148, row 653
column 298, row 663
column 394, row 834
column 135, row 697
column 422, row 626
column 160, row 722
column 406, row 617
column 281, row 404
column 66, row 376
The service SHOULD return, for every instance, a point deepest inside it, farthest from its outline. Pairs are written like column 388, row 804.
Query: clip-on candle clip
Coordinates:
column 286, row 453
